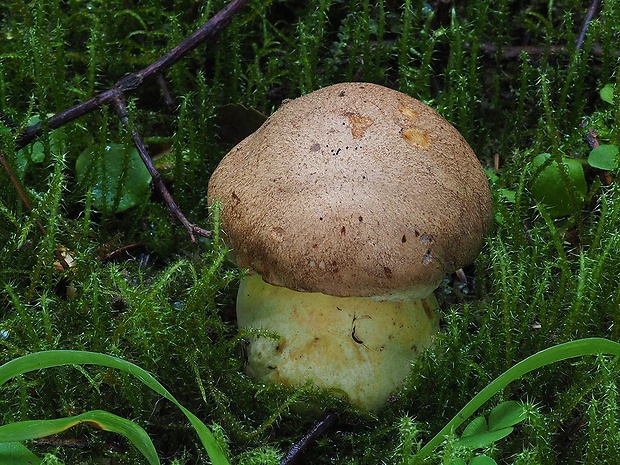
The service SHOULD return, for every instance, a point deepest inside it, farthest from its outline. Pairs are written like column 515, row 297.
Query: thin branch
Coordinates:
column 320, row 427
column 19, row 189
column 210, row 29
column 6, row 119
column 116, row 97
column 118, row 102
column 22, row 195
column 132, row 81
column 168, row 98
column 586, row 23
column 60, row 119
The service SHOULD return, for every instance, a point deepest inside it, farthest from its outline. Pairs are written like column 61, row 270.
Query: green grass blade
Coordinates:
column 54, row 358
column 32, row 429
column 579, row 348
column 15, row 453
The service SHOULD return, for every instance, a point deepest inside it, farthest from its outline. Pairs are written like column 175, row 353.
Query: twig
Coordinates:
column 168, row 98
column 586, row 23
column 132, row 81
column 22, row 195
column 121, row 109
column 19, row 189
column 6, row 119
column 116, row 97
column 317, row 430
column 591, row 137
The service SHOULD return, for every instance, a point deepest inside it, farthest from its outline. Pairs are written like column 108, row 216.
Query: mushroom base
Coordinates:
column 356, row 345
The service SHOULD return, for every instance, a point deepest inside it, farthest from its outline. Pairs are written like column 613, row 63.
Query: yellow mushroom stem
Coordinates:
column 359, row 346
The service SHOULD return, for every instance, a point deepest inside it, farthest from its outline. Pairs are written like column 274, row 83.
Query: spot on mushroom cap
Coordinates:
column 353, row 190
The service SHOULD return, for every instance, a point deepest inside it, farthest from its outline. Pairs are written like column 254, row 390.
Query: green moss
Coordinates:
column 141, row 290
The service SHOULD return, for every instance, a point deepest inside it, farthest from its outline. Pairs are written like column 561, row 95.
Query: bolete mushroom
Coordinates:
column 348, row 206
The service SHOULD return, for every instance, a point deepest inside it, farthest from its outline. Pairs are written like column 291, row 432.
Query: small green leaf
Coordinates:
column 603, row 157
column 491, row 175
column 477, row 426
column 33, row 429
column 478, row 434
column 551, row 189
column 15, row 453
column 565, row 351
column 35, row 152
column 116, row 175
column 506, row 414
column 482, row 460
column 607, row 93
column 478, row 441
column 509, row 195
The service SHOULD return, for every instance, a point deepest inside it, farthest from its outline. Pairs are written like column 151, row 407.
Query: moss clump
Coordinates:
column 507, row 74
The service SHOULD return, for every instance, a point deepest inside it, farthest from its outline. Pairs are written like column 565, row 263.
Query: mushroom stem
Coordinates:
column 358, row 346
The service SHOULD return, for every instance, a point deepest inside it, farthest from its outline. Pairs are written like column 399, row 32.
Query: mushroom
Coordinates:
column 348, row 206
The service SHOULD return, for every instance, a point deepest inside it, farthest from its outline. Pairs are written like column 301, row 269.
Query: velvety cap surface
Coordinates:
column 353, row 190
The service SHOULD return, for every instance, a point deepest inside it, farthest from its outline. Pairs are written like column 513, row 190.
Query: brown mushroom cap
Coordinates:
column 353, row 190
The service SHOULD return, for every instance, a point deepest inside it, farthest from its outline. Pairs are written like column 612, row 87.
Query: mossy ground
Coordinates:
column 506, row 74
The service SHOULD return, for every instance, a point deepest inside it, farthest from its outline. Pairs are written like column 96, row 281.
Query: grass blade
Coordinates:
column 15, row 453
column 32, row 429
column 54, row 358
column 578, row 348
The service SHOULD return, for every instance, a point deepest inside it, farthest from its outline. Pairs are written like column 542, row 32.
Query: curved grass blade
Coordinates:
column 15, row 453
column 579, row 348
column 54, row 358
column 32, row 429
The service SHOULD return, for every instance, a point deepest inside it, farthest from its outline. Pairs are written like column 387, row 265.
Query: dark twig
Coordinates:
column 586, row 23
column 320, row 427
column 132, row 81
column 7, row 121
column 168, row 98
column 121, row 109
column 591, row 137
column 19, row 189
column 116, row 97
column 24, row 198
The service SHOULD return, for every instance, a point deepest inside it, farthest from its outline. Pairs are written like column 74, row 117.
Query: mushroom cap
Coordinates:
column 353, row 190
